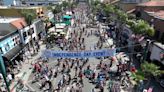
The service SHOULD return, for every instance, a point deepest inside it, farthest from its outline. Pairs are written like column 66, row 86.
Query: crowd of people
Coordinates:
column 68, row 74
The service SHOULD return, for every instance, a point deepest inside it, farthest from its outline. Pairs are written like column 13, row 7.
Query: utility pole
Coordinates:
column 3, row 71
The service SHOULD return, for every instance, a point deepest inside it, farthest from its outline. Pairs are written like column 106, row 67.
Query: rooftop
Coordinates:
column 19, row 23
column 158, row 14
column 7, row 20
column 153, row 3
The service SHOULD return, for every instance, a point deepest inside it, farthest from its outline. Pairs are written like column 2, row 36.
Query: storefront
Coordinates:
column 39, row 29
column 14, row 54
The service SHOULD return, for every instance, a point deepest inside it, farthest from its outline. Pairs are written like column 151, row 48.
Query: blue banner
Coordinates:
column 78, row 54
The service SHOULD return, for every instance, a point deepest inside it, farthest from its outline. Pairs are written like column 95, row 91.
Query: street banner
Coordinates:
column 78, row 54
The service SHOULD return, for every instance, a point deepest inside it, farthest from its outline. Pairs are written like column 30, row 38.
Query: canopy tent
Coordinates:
column 62, row 33
column 68, row 13
column 59, row 30
column 55, row 33
column 52, row 29
column 60, row 25
column 67, row 17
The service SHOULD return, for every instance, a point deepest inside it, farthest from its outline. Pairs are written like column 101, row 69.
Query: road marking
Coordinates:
column 30, row 87
column 38, row 83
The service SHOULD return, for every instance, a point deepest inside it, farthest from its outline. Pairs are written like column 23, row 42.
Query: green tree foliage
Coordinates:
column 57, row 9
column 29, row 15
column 95, row 5
column 141, row 27
column 150, row 69
column 121, row 15
column 108, row 9
column 132, row 16
column 137, row 76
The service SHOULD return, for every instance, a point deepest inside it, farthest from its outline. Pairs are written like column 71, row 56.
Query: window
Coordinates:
column 32, row 4
column 24, row 35
column 32, row 29
column 7, row 47
column 1, row 51
column 29, row 33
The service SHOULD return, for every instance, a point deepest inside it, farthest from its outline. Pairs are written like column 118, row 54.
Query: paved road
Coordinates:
column 89, row 43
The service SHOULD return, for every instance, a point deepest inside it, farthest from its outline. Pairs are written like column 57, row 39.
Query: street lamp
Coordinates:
column 3, row 71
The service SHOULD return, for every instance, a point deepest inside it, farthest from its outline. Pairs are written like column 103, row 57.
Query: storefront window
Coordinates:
column 24, row 35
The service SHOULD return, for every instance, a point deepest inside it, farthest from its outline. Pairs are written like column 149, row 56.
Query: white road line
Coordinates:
column 30, row 87
column 38, row 84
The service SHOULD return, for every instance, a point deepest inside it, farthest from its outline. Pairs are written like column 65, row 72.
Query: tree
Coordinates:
column 57, row 9
column 65, row 5
column 29, row 15
column 150, row 69
column 95, row 5
column 138, row 75
column 131, row 16
column 143, row 28
column 122, row 16
column 147, row 71
column 108, row 9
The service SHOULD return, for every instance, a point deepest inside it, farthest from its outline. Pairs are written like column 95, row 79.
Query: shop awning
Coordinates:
column 13, row 53
column 69, row 13
column 60, row 25
column 59, row 30
column 52, row 29
column 67, row 17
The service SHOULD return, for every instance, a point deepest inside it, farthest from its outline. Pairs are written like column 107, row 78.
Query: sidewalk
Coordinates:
column 26, row 69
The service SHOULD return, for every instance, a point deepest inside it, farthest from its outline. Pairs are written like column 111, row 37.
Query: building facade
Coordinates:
column 10, row 42
column 39, row 2
column 15, row 36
